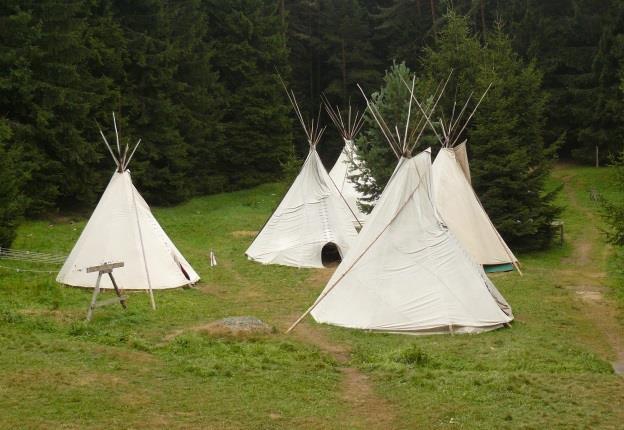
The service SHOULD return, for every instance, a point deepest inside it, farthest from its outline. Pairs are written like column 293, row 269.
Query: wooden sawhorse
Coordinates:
column 105, row 269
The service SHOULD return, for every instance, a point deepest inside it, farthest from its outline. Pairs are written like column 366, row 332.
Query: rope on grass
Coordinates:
column 32, row 257
column 18, row 270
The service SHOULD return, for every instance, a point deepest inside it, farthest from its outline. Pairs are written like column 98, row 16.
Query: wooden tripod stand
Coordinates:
column 105, row 269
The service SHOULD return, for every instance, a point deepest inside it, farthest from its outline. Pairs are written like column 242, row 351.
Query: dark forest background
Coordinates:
column 195, row 79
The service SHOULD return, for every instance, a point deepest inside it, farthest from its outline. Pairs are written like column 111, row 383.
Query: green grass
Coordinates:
column 146, row 369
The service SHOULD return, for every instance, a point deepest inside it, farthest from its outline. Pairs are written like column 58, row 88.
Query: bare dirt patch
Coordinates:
column 244, row 233
column 582, row 252
column 590, row 296
column 304, row 332
column 367, row 409
column 235, row 326
column 239, row 327
column 320, row 277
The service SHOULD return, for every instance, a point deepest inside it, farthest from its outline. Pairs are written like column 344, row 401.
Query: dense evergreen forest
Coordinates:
column 196, row 81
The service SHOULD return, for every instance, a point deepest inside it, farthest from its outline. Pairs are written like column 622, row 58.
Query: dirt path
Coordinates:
column 585, row 273
column 366, row 409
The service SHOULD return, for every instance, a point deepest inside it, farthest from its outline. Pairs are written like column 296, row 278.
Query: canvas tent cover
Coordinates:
column 406, row 272
column 345, row 166
column 461, row 210
column 121, row 228
column 311, row 215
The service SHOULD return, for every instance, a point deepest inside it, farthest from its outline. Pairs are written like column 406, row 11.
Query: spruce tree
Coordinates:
column 509, row 163
column 404, row 27
column 11, row 199
column 613, row 210
column 605, row 131
column 201, row 97
column 249, row 46
column 378, row 159
column 50, row 94
column 149, row 106
column 563, row 36
column 305, row 46
column 350, row 60
column 348, row 50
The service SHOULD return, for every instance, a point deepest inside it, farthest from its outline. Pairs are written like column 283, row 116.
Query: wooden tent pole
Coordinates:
column 472, row 114
column 409, row 113
column 461, row 114
column 110, row 149
column 345, row 201
column 377, row 120
column 424, row 114
column 132, row 154
column 116, row 135
column 149, row 281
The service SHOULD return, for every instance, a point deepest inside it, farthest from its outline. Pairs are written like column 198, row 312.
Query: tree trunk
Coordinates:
column 312, row 57
column 344, row 71
column 433, row 19
column 483, row 30
column 282, row 12
column 418, row 8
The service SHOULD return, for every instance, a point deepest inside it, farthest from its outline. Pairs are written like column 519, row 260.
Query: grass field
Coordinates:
column 162, row 369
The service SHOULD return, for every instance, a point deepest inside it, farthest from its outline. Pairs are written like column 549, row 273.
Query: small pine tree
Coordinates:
column 378, row 159
column 613, row 211
column 291, row 166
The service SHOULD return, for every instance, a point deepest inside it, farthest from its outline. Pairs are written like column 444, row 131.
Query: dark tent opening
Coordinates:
column 330, row 255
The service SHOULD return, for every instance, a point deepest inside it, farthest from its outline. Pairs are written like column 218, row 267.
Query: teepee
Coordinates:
column 311, row 217
column 457, row 202
column 123, row 229
column 406, row 272
column 347, row 164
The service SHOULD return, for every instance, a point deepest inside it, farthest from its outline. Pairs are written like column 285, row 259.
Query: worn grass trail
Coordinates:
column 165, row 368
column 366, row 408
column 586, row 269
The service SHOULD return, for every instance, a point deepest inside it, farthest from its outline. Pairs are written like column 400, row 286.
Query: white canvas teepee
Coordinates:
column 347, row 165
column 311, row 215
column 122, row 228
column 406, row 272
column 458, row 204
column 459, row 207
